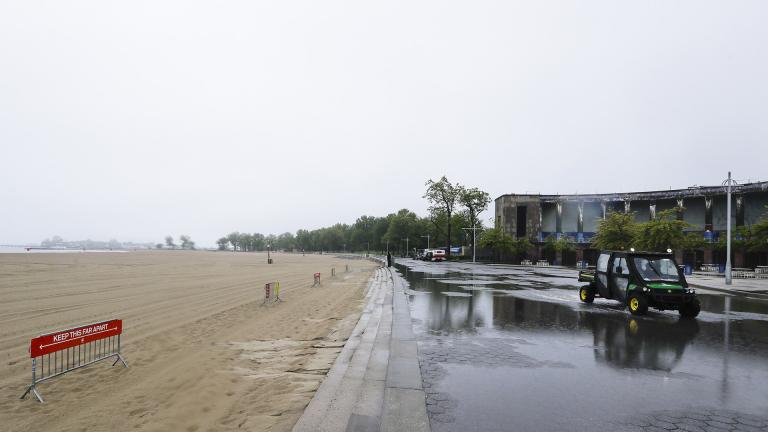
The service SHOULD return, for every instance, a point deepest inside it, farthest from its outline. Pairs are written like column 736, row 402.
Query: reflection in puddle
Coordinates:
column 501, row 346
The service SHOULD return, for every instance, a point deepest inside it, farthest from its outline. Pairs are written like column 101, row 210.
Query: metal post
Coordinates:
column 427, row 236
column 474, row 240
column 728, row 279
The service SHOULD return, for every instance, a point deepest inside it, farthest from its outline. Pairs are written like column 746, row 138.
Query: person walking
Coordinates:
column 389, row 259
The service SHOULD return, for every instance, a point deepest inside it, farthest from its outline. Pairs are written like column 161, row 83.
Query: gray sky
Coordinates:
column 133, row 120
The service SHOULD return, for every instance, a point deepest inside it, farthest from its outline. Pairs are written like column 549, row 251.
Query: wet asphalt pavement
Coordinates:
column 506, row 348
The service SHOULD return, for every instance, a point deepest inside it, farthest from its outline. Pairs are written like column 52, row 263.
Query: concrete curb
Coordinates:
column 375, row 382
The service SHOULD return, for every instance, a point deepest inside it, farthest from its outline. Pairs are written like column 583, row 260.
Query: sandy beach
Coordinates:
column 204, row 354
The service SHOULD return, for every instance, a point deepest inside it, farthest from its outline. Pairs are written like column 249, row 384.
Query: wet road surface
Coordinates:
column 506, row 348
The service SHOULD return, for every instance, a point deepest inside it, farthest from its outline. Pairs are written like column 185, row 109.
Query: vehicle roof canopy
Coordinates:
column 640, row 253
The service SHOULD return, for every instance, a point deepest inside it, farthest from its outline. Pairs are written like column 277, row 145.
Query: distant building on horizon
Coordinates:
column 576, row 216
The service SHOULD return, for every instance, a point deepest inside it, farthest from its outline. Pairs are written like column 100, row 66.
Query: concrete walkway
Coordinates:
column 375, row 382
column 717, row 283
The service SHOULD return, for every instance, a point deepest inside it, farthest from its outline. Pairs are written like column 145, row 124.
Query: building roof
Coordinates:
column 693, row 191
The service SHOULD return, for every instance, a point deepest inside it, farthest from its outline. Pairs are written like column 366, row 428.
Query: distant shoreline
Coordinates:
column 40, row 249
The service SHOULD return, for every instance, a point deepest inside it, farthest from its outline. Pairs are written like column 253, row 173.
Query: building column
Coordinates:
column 652, row 210
column 603, row 208
column 738, row 258
column 708, row 257
column 680, row 208
column 580, row 224
column 541, row 223
column 627, row 205
column 559, row 220
column 739, row 210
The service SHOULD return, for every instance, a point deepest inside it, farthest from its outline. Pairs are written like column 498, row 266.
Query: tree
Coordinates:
column 521, row 246
column 497, row 240
column 758, row 241
column 286, row 241
column 662, row 233
column 234, row 240
column 222, row 242
column 443, row 197
column 186, row 242
column 402, row 225
column 169, row 242
column 554, row 246
column 616, row 232
column 475, row 201
column 159, row 246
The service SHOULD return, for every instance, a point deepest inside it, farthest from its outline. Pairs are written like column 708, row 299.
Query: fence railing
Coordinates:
column 66, row 350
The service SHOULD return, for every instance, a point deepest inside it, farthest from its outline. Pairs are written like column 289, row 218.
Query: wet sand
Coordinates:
column 204, row 354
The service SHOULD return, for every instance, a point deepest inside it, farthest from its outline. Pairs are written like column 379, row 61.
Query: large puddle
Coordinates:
column 503, row 345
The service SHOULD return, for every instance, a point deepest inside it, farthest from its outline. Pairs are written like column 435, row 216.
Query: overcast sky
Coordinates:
column 134, row 120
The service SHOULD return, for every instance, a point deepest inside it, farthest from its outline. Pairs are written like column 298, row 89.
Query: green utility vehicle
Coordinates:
column 640, row 280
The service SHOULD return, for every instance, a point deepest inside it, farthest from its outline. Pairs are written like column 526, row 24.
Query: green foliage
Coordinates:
column 497, row 240
column 286, row 241
column 443, row 196
column 662, row 233
column 617, row 231
column 475, row 202
column 693, row 241
column 553, row 245
column 758, row 241
column 370, row 233
column 186, row 242
column 521, row 246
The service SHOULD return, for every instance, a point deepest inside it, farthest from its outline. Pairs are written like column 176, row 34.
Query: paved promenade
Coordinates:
column 375, row 383
column 716, row 282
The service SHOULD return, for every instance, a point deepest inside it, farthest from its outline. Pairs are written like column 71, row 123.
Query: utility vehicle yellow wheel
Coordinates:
column 586, row 294
column 638, row 304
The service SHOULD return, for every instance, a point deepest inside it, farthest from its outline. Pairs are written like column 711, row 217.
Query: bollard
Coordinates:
column 267, row 288
column 333, row 271
column 347, row 268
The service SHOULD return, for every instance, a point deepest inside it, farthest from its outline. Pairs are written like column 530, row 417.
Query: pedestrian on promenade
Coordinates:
column 389, row 259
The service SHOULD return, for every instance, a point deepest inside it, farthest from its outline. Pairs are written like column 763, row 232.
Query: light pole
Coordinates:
column 728, row 183
column 406, row 244
column 269, row 260
column 427, row 237
column 474, row 239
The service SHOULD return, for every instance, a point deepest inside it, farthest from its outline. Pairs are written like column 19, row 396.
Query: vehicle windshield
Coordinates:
column 656, row 269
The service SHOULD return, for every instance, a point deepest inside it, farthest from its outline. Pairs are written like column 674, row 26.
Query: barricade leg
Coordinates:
column 120, row 359
column 32, row 387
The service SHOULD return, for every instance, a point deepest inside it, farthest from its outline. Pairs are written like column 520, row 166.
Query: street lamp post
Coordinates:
column 427, row 237
column 728, row 183
column 474, row 240
column 406, row 244
column 269, row 260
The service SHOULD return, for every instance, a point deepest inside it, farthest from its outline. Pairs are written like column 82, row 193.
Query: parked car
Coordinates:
column 438, row 255
column 640, row 280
